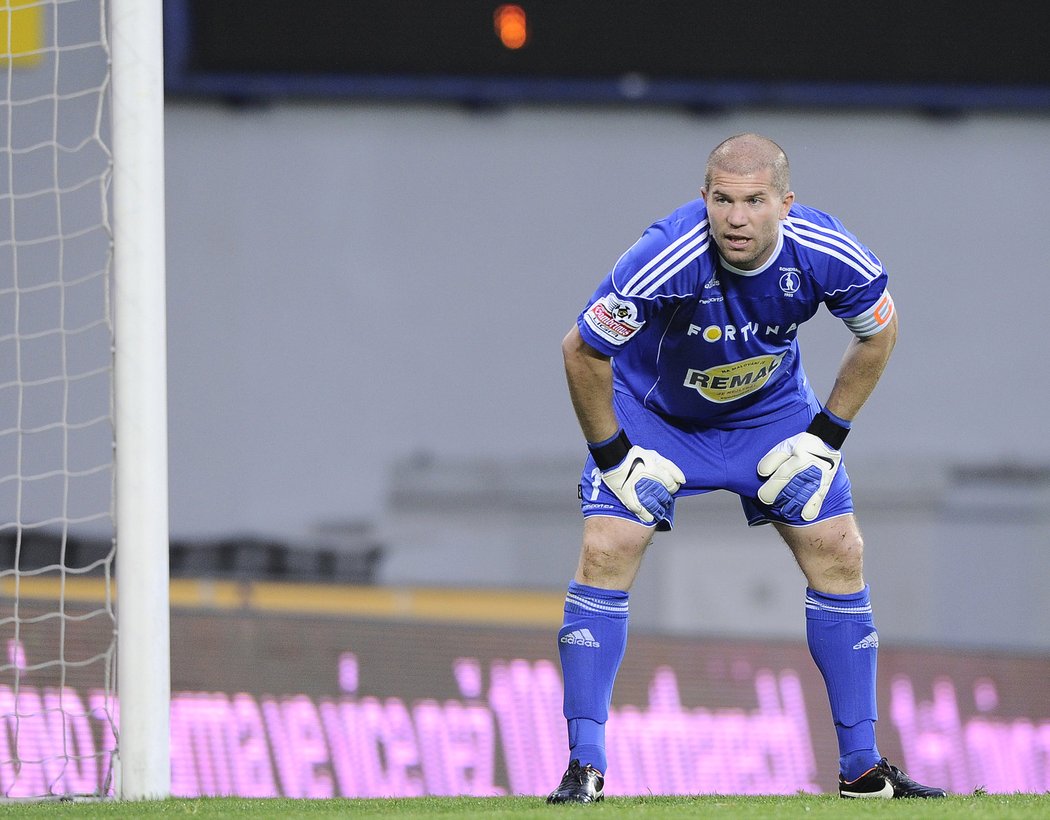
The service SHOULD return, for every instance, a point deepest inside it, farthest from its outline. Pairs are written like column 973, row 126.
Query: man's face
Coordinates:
column 745, row 212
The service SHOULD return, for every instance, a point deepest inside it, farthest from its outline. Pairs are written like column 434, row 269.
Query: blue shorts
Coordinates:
column 712, row 459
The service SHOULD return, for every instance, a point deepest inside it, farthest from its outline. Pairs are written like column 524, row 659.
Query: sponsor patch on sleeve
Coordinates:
column 874, row 319
column 613, row 318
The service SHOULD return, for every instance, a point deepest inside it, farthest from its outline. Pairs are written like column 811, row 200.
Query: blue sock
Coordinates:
column 844, row 645
column 591, row 644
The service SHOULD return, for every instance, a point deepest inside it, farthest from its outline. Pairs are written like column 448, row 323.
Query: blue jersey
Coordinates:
column 697, row 340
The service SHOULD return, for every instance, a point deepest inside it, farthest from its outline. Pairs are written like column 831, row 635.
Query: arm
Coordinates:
column 861, row 368
column 800, row 469
column 642, row 479
column 589, row 374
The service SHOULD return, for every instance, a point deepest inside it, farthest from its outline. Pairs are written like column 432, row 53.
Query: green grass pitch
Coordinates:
column 637, row 808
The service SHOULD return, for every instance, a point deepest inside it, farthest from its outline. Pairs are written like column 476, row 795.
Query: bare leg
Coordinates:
column 612, row 552
column 591, row 644
column 830, row 554
column 841, row 633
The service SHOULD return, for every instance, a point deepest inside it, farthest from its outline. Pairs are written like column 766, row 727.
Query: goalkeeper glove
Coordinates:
column 642, row 479
column 800, row 469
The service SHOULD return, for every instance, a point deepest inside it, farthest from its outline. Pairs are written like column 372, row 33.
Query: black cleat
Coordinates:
column 887, row 782
column 580, row 784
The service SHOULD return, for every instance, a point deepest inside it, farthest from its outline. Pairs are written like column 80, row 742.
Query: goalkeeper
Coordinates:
column 685, row 374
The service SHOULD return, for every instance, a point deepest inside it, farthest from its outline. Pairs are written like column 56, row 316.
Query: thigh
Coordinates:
column 830, row 553
column 696, row 451
column 744, row 448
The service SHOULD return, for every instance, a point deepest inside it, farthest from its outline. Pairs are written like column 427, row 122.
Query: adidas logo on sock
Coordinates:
column 871, row 641
column 580, row 637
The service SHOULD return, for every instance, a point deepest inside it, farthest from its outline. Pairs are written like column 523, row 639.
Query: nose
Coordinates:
column 737, row 215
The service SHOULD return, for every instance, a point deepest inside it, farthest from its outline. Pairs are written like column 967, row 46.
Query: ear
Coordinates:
column 785, row 206
column 703, row 194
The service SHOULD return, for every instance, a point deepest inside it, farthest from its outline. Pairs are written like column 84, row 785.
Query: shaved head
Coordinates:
column 747, row 155
column 747, row 195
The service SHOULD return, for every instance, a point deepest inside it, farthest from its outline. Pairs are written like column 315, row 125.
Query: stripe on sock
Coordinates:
column 583, row 600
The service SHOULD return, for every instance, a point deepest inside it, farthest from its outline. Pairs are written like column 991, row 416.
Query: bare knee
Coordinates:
column 843, row 568
column 602, row 563
column 830, row 555
column 611, row 553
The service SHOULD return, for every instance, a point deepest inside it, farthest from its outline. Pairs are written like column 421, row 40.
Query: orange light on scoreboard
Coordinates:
column 511, row 25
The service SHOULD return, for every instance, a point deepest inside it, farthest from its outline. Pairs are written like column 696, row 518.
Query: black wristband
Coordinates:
column 609, row 455
column 826, row 430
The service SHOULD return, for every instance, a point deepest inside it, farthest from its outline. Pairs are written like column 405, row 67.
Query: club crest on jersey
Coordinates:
column 613, row 318
column 728, row 382
column 790, row 281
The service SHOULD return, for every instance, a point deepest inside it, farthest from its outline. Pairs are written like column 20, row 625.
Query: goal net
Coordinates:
column 58, row 424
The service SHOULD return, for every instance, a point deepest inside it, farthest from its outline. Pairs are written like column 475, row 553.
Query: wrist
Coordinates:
column 829, row 428
column 607, row 454
column 841, row 422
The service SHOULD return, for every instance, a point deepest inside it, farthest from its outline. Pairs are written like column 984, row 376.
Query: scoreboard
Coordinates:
column 685, row 51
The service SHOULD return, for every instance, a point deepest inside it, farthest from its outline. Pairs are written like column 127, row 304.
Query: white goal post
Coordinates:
column 84, row 623
column 140, row 407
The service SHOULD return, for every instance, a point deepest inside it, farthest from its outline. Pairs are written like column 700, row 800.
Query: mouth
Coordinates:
column 735, row 241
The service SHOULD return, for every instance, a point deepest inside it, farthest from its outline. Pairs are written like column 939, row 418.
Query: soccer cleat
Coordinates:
column 580, row 784
column 885, row 781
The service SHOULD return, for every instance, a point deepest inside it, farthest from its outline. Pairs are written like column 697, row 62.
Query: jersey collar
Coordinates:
column 772, row 257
